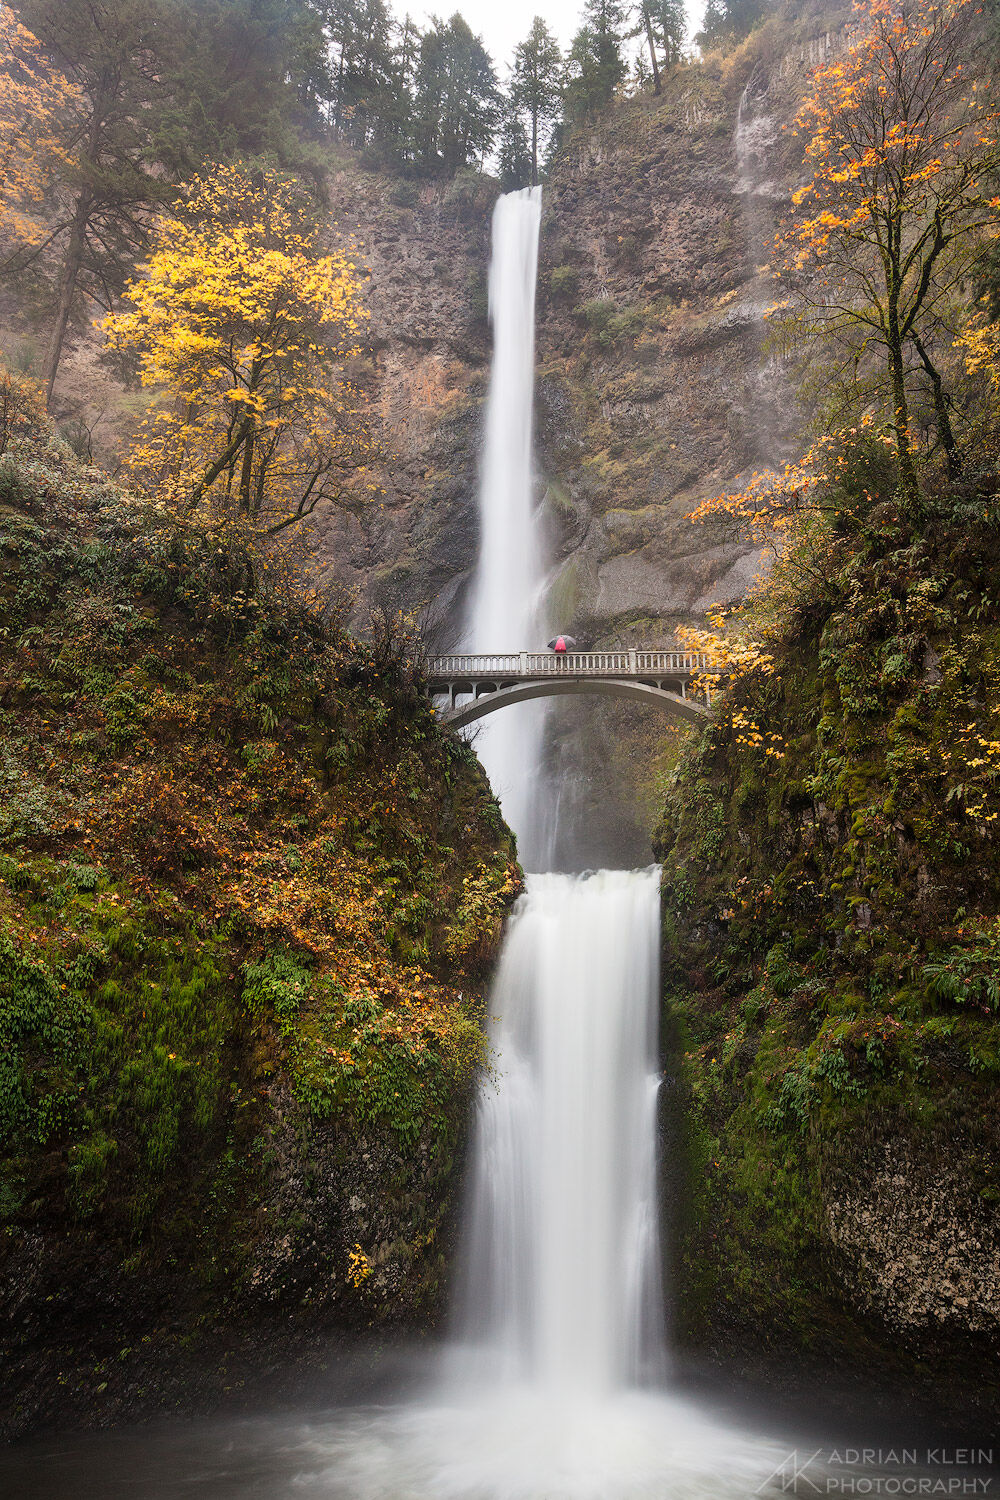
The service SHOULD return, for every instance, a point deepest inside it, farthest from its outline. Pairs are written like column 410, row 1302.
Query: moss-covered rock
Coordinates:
column 832, row 890
column 248, row 893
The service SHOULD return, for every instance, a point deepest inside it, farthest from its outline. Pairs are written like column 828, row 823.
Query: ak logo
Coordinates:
column 792, row 1476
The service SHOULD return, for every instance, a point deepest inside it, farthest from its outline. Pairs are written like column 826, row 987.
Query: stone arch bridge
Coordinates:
column 658, row 678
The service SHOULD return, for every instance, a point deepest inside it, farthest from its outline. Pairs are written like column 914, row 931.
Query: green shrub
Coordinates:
column 564, row 283
column 404, row 193
column 39, row 1040
column 606, row 325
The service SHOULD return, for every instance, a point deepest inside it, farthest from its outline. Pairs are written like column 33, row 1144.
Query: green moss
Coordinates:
column 832, row 914
column 248, row 891
column 607, row 325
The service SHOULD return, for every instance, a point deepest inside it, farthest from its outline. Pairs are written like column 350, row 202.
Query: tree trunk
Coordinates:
column 909, row 490
column 67, row 290
column 908, row 487
column 214, row 469
column 534, row 148
column 246, row 474
column 652, row 48
column 953, row 462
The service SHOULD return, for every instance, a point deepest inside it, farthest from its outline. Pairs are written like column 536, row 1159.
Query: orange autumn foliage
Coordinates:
column 902, row 141
column 36, row 103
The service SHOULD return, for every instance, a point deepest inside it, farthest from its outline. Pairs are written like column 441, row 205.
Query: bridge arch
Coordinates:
column 688, row 710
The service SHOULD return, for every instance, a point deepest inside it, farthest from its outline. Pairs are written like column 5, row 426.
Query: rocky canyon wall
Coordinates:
column 657, row 388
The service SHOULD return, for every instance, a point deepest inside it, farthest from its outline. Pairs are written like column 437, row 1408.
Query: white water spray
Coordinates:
column 562, row 1283
column 506, row 604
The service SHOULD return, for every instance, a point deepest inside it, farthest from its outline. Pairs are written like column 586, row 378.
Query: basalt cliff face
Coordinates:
column 426, row 247
column 656, row 388
column 652, row 388
column 249, row 891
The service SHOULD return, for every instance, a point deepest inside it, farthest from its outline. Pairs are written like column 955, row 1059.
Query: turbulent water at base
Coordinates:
column 506, row 610
column 552, row 1388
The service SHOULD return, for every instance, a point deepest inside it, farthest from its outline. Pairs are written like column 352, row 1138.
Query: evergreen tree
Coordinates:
column 457, row 103
column 663, row 23
column 395, row 126
column 99, row 212
column 670, row 24
column 240, row 76
column 729, row 19
column 645, row 27
column 517, row 164
column 362, row 76
column 536, row 84
column 642, row 74
column 596, row 66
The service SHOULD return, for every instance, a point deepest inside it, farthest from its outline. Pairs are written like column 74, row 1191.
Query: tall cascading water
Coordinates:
column 506, row 608
column 562, row 1275
column 549, row 1384
column 562, row 1272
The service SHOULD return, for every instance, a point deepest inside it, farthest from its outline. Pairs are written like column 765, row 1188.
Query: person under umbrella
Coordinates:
column 560, row 644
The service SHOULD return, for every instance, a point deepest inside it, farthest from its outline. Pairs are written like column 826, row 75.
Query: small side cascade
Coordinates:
column 755, row 136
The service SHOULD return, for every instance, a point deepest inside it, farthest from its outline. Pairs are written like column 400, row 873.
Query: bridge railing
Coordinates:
column 520, row 664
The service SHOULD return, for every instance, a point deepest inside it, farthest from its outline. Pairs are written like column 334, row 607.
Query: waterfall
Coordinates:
column 506, row 602
column 553, row 1387
column 754, row 137
column 562, row 1282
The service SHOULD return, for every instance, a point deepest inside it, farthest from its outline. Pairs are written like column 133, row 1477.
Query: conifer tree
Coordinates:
column 596, row 67
column 396, row 128
column 361, row 67
column 239, row 76
column 670, row 23
column 457, row 102
column 536, row 84
column 645, row 27
column 516, row 161
column 108, row 53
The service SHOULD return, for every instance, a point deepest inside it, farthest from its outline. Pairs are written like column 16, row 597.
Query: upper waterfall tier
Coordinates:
column 506, row 606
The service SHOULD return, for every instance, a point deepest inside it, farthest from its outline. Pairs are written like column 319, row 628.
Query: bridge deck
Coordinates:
column 446, row 672
column 494, row 681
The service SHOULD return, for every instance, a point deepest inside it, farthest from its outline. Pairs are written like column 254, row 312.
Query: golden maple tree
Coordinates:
column 901, row 139
column 243, row 324
column 981, row 342
column 38, row 107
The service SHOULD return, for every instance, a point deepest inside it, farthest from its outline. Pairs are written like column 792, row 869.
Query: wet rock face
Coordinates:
column 427, row 249
column 339, row 1190
column 916, row 1244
